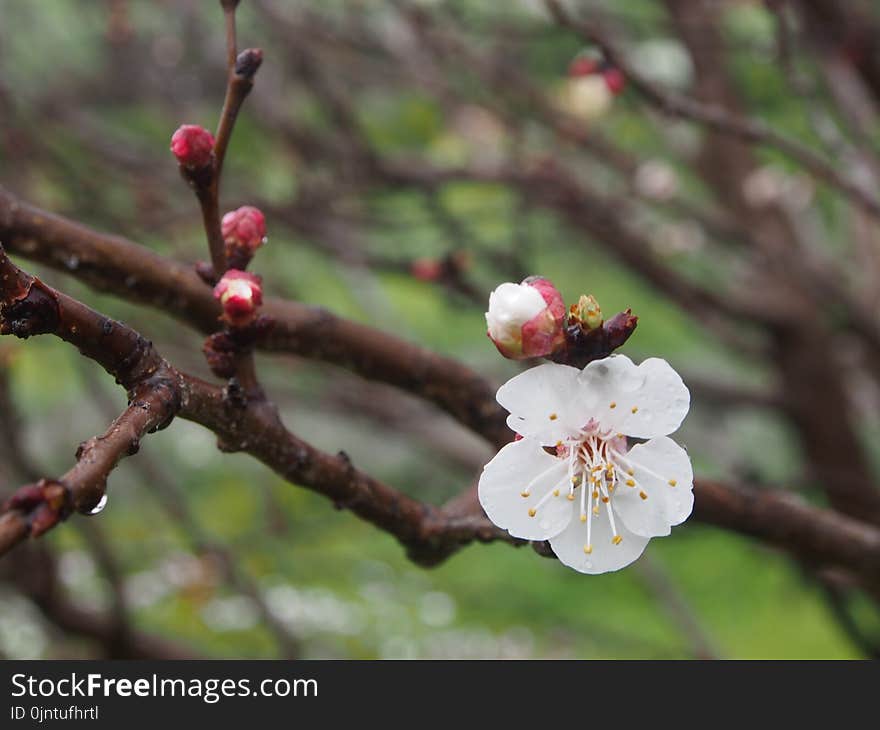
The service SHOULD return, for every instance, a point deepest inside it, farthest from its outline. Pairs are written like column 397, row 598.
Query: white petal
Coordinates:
column 657, row 465
column 587, row 97
column 644, row 401
column 505, row 478
column 510, row 307
column 605, row 556
column 544, row 403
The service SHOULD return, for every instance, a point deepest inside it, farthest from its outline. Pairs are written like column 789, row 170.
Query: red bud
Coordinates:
column 241, row 294
column 192, row 145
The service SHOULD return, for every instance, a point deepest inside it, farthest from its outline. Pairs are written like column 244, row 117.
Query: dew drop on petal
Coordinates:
column 98, row 508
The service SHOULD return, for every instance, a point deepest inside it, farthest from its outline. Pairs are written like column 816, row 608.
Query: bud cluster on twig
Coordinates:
column 529, row 320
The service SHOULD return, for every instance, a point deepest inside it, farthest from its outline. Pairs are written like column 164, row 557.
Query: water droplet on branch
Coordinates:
column 98, row 508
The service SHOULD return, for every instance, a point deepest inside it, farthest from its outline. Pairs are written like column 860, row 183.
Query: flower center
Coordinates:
column 597, row 466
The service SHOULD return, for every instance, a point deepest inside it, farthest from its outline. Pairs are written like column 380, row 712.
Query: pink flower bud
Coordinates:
column 526, row 320
column 192, row 145
column 582, row 66
column 614, row 79
column 245, row 228
column 241, row 294
column 427, row 269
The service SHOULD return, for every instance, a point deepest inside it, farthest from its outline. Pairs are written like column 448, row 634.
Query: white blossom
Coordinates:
column 573, row 479
column 586, row 98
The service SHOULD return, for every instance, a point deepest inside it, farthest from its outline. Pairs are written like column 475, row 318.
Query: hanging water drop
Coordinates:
column 98, row 508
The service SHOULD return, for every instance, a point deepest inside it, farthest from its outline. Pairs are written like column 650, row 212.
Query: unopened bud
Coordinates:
column 614, row 79
column 241, row 295
column 247, row 62
column 427, row 269
column 619, row 328
column 587, row 312
column 585, row 97
column 244, row 231
column 582, row 66
column 192, row 145
column 526, row 320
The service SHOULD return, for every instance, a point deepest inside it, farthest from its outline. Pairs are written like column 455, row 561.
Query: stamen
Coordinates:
column 553, row 416
column 616, row 539
column 583, row 502
column 635, row 409
column 643, row 495
column 528, row 490
column 589, row 525
column 588, row 549
column 532, row 511
column 612, row 405
column 629, row 460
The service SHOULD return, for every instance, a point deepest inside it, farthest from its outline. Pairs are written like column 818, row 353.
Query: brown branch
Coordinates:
column 35, row 508
column 206, row 181
column 116, row 265
column 241, row 81
column 29, row 307
column 431, row 533
column 171, row 498
column 229, row 7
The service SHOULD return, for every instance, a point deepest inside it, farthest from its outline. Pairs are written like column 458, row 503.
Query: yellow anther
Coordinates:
column 588, row 549
column 524, row 494
column 595, row 494
column 630, row 471
column 555, row 492
column 553, row 416
column 605, row 500
column 583, row 518
column 672, row 482
column 643, row 495
column 617, row 539
column 570, row 497
column 612, row 404
column 596, row 510
column 635, row 409
column 532, row 511
column 630, row 483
